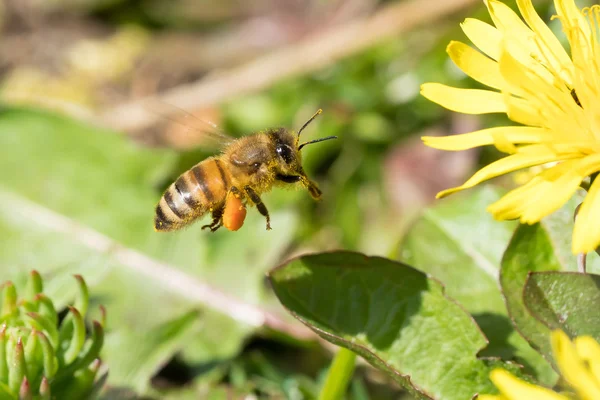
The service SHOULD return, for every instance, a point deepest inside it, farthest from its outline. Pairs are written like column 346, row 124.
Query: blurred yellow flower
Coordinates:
column 553, row 95
column 579, row 364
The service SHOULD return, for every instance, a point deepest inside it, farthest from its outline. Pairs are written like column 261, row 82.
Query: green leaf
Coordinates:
column 393, row 315
column 545, row 246
column 530, row 250
column 457, row 240
column 565, row 300
column 147, row 351
column 83, row 203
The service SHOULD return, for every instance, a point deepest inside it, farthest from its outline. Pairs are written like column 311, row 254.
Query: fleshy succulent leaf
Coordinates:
column 27, row 306
column 34, row 351
column 50, row 362
column 43, row 324
column 25, row 390
column 83, row 299
column 103, row 316
column 9, row 301
column 17, row 370
column 3, row 355
column 77, row 338
column 80, row 385
column 46, row 308
column 97, row 341
column 31, row 354
column 31, row 345
column 98, row 385
column 85, row 358
column 34, row 286
column 45, row 392
column 5, row 392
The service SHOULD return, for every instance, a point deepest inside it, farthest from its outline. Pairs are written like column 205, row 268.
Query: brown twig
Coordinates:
column 310, row 54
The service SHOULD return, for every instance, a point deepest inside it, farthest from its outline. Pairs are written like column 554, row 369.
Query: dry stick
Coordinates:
column 311, row 54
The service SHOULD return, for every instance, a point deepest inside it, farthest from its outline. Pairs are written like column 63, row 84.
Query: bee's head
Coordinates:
column 289, row 159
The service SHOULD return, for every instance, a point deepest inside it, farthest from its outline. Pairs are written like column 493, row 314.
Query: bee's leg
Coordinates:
column 312, row 187
column 236, row 192
column 314, row 190
column 255, row 198
column 288, row 178
column 217, row 216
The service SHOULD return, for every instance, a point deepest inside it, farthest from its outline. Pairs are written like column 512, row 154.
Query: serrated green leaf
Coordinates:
column 458, row 241
column 541, row 247
column 565, row 300
column 393, row 315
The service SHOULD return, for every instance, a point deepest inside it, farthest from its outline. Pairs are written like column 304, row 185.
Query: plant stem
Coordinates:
column 581, row 257
column 339, row 375
column 581, row 262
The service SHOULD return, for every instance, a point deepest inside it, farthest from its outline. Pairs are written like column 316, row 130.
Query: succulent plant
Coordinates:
column 43, row 356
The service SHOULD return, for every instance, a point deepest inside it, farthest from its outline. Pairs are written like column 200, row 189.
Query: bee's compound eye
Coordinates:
column 285, row 152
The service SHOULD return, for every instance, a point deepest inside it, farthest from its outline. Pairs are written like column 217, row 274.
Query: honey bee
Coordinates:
column 224, row 184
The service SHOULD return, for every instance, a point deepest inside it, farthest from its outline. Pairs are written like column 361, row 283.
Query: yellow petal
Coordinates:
column 476, row 65
column 544, row 100
column 520, row 70
column 555, row 52
column 570, row 16
column 589, row 350
column 557, row 187
column 544, row 194
column 586, row 233
column 484, row 137
column 560, row 183
column 506, row 20
column 527, row 156
column 468, row 101
column 515, row 389
column 572, row 367
column 527, row 45
column 484, row 36
column 522, row 111
column 511, row 205
column 576, row 28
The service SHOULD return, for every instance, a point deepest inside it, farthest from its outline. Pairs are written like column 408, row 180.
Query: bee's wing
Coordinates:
column 210, row 134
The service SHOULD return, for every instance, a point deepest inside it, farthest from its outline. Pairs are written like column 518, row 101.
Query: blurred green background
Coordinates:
column 189, row 313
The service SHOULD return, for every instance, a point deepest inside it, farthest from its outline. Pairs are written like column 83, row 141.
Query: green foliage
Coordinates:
column 469, row 243
column 191, row 315
column 83, row 203
column 43, row 356
column 469, row 295
column 563, row 300
column 402, row 321
column 393, row 316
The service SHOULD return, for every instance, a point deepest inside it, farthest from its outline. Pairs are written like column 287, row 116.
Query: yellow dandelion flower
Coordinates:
column 579, row 365
column 552, row 95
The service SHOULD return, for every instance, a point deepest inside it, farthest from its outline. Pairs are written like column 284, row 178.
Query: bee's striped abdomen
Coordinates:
column 194, row 193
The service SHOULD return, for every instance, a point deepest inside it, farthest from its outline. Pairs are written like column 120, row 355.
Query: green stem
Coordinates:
column 339, row 375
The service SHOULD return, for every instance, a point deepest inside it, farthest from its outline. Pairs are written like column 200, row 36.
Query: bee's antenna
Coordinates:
column 319, row 111
column 316, row 141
